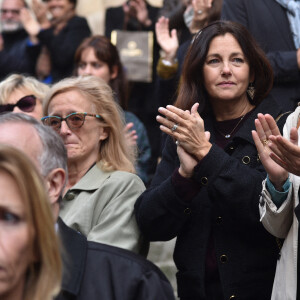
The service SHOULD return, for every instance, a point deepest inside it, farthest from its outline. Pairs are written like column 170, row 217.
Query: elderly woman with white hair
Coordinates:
column 102, row 186
column 22, row 94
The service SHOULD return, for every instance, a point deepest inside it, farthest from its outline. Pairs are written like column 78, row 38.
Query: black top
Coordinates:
column 93, row 271
column 226, row 207
column 62, row 46
column 18, row 55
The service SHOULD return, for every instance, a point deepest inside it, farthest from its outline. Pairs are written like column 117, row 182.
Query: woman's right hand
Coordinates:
column 266, row 127
column 166, row 40
column 187, row 128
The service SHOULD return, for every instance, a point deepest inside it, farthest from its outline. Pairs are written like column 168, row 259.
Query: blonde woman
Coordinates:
column 102, row 187
column 30, row 264
column 22, row 94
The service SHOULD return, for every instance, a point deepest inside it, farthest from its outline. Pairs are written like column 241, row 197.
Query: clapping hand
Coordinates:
column 167, row 40
column 40, row 10
column 266, row 131
column 187, row 128
column 130, row 135
column 286, row 153
column 138, row 9
column 30, row 24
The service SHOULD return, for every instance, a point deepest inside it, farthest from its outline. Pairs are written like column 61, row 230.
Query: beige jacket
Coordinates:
column 101, row 207
column 283, row 223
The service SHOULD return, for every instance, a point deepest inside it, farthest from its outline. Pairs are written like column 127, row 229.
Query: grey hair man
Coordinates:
column 18, row 51
column 42, row 145
column 91, row 270
column 10, row 15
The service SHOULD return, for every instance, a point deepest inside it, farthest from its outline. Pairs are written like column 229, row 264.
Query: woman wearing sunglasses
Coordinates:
column 102, row 187
column 22, row 94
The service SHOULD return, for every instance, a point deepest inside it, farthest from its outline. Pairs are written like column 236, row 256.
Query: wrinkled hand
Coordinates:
column 286, row 153
column 166, row 40
column 266, row 127
column 194, row 142
column 130, row 135
column 30, row 24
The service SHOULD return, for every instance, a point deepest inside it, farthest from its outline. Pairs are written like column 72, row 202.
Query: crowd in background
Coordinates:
column 177, row 149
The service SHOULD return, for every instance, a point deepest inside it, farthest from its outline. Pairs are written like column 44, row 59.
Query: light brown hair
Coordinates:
column 44, row 275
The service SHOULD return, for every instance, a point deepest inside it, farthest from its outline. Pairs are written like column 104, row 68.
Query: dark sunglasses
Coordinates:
column 74, row 120
column 12, row 11
column 26, row 104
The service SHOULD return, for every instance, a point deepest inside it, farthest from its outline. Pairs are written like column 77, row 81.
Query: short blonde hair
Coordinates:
column 18, row 81
column 114, row 154
column 44, row 275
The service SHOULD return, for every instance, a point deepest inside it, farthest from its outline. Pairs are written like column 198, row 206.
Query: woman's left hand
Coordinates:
column 187, row 128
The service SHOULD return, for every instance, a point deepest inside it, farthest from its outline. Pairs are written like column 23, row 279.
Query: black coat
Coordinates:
column 226, row 206
column 94, row 271
column 18, row 54
column 267, row 21
column 62, row 46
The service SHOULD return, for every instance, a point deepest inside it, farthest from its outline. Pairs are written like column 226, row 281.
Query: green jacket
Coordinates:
column 100, row 206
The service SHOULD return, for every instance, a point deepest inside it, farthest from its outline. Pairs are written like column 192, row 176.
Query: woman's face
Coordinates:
column 17, row 94
column 90, row 65
column 59, row 8
column 226, row 70
column 16, row 241
column 83, row 143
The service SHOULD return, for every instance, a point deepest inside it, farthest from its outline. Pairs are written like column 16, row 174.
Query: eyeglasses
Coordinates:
column 26, row 104
column 74, row 120
column 12, row 11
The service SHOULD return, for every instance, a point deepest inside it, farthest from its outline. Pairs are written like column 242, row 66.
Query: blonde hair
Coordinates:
column 18, row 81
column 114, row 154
column 43, row 276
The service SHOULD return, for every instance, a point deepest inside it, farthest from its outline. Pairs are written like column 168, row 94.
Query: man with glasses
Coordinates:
column 18, row 51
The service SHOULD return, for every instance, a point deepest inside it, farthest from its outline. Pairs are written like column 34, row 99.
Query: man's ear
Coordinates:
column 55, row 181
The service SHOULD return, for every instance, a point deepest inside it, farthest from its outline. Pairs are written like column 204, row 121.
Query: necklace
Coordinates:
column 228, row 135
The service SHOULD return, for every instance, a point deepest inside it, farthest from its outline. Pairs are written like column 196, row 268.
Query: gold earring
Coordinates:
column 251, row 90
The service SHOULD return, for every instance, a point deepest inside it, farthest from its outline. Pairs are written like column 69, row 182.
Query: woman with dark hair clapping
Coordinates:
column 206, row 188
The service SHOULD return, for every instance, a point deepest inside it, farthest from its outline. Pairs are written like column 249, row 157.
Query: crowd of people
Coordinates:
column 95, row 167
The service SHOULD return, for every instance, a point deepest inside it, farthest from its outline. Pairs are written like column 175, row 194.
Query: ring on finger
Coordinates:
column 265, row 142
column 199, row 11
column 177, row 143
column 175, row 126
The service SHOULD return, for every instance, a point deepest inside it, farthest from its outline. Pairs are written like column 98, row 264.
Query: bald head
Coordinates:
column 25, row 138
column 43, row 146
